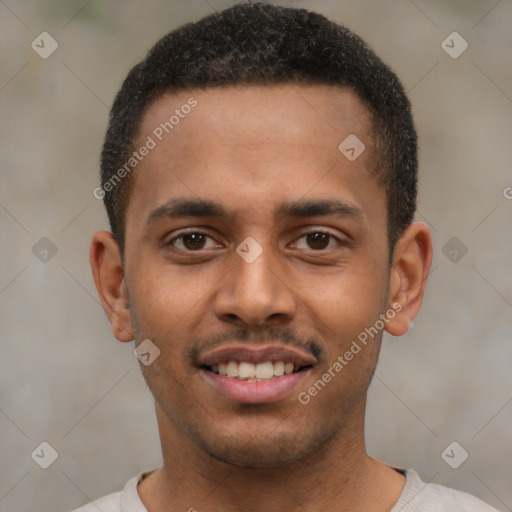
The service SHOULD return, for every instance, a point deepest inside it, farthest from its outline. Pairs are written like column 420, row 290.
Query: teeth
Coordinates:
column 232, row 369
column 278, row 368
column 265, row 371
column 253, row 372
column 246, row 371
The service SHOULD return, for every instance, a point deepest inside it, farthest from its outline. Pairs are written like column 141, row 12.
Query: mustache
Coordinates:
column 265, row 335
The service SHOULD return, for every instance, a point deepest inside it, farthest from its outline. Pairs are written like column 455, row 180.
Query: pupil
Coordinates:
column 193, row 241
column 318, row 240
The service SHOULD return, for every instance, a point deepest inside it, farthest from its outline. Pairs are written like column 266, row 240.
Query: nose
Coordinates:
column 255, row 293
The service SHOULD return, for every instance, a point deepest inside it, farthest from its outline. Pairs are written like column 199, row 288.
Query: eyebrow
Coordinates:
column 324, row 207
column 177, row 208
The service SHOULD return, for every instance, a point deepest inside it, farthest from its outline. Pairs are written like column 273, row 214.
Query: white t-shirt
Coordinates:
column 416, row 497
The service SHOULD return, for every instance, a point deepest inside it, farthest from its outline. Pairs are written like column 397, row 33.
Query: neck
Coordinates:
column 339, row 477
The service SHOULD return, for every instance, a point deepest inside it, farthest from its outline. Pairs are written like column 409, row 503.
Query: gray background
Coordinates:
column 64, row 378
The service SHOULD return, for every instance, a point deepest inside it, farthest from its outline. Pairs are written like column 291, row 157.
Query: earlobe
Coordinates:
column 108, row 274
column 411, row 265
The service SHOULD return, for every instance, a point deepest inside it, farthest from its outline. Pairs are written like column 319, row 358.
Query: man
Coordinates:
column 259, row 172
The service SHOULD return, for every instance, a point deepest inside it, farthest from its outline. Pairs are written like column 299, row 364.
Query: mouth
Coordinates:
column 251, row 372
column 255, row 374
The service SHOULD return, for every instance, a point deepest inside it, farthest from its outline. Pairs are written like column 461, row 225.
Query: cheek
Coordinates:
column 352, row 344
column 346, row 304
column 164, row 298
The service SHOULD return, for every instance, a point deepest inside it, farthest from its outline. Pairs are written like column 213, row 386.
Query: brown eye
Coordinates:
column 194, row 241
column 318, row 240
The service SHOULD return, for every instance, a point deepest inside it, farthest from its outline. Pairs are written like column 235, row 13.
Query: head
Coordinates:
column 242, row 231
column 261, row 44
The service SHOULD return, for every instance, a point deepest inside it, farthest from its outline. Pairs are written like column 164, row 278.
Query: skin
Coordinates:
column 251, row 149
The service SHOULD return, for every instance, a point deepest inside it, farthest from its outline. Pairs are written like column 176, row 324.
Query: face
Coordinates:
column 254, row 246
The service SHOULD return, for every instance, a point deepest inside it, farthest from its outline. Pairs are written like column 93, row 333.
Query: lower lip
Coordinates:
column 254, row 392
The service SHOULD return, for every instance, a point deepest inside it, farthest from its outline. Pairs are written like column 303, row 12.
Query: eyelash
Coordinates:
column 338, row 241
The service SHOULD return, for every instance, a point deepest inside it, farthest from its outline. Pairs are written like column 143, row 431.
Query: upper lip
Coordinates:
column 257, row 354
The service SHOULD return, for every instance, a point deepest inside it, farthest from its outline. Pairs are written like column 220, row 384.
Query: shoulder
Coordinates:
column 127, row 500
column 418, row 496
column 110, row 503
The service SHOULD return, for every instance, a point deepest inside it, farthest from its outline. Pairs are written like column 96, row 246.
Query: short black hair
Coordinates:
column 262, row 44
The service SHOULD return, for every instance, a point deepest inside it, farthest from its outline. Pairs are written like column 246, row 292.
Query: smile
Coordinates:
column 255, row 374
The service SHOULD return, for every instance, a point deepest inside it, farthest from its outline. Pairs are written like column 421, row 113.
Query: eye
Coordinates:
column 318, row 240
column 193, row 241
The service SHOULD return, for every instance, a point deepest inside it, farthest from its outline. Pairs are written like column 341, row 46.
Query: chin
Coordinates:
column 268, row 450
column 253, row 457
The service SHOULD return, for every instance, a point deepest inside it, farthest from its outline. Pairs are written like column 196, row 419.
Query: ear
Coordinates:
column 108, row 273
column 412, row 259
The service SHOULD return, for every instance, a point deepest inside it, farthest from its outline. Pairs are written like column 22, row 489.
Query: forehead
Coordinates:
column 230, row 113
column 238, row 145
